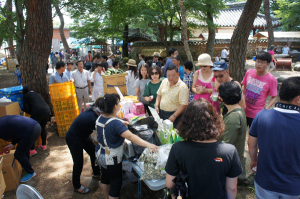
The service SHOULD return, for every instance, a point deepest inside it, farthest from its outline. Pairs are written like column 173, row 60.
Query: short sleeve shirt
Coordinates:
column 271, row 53
column 206, row 164
column 173, row 97
column 57, row 78
column 113, row 132
column 258, row 89
column 141, row 84
column 80, row 79
column 151, row 89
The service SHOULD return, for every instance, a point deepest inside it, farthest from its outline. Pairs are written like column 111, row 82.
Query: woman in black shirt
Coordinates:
column 35, row 105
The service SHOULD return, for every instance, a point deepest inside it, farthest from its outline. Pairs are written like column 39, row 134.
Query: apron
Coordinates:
column 113, row 156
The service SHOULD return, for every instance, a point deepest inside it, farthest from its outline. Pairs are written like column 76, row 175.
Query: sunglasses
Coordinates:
column 154, row 73
column 205, row 66
column 219, row 76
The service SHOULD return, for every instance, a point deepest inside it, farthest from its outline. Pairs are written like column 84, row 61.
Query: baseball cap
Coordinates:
column 219, row 66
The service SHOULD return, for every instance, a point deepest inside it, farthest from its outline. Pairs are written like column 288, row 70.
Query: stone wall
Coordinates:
column 197, row 48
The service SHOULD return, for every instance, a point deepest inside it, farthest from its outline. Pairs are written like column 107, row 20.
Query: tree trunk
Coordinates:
column 20, row 26
column 61, row 29
column 269, row 23
column 166, row 38
column 211, row 35
column 184, row 32
column 125, row 41
column 37, row 46
column 10, row 41
column 171, row 33
column 239, row 40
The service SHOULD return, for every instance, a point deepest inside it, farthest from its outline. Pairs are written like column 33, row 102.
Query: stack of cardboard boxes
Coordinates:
column 11, row 170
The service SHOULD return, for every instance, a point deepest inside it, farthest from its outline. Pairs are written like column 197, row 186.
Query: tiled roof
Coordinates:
column 287, row 36
column 231, row 15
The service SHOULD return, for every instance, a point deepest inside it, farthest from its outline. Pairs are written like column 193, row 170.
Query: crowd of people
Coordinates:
column 210, row 110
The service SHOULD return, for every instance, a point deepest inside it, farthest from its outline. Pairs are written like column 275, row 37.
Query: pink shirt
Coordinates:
column 271, row 53
column 258, row 89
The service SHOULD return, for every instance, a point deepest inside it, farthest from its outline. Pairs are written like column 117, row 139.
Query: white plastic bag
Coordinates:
column 4, row 99
column 163, row 155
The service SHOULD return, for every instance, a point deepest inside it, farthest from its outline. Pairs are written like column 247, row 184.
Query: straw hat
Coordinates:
column 156, row 54
column 204, row 60
column 131, row 62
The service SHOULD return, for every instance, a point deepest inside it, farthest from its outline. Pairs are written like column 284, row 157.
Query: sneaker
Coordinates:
column 42, row 147
column 28, row 176
column 82, row 189
column 33, row 152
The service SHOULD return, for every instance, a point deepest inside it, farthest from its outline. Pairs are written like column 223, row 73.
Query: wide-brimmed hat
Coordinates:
column 131, row 62
column 110, row 54
column 204, row 60
column 156, row 54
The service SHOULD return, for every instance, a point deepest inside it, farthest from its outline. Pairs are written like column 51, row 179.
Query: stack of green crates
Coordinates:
column 65, row 105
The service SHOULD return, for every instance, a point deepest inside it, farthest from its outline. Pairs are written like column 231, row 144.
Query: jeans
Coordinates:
column 76, row 148
column 22, row 153
column 42, row 120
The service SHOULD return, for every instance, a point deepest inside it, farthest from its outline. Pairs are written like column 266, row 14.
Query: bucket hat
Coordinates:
column 204, row 60
column 131, row 62
column 110, row 54
column 156, row 54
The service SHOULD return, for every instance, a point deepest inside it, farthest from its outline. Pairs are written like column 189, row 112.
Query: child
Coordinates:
column 188, row 78
column 139, row 86
column 18, row 74
column 96, row 77
column 131, row 77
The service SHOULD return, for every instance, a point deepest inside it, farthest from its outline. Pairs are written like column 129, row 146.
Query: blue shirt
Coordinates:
column 278, row 165
column 82, row 126
column 68, row 73
column 188, row 80
column 181, row 72
column 19, row 73
column 113, row 132
column 57, row 78
column 16, row 127
column 168, row 63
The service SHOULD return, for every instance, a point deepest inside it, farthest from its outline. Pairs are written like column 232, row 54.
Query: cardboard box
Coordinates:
column 9, row 108
column 110, row 81
column 12, row 171
column 2, row 182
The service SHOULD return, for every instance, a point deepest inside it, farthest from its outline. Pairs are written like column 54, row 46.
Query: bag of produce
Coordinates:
column 145, row 129
column 163, row 155
column 150, row 172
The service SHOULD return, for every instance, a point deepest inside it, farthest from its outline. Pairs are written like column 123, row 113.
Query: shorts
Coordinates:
column 112, row 176
column 271, row 65
column 249, row 121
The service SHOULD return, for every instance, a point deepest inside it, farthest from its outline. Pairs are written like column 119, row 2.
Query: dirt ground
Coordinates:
column 54, row 168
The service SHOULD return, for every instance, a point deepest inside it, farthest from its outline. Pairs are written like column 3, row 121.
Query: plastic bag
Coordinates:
column 145, row 129
column 4, row 99
column 150, row 160
column 163, row 155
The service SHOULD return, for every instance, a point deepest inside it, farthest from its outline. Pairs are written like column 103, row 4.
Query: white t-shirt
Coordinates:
column 224, row 53
column 130, row 80
column 285, row 50
column 80, row 79
column 217, row 59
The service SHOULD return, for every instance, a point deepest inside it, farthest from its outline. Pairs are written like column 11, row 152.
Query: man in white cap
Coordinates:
column 110, row 60
column 224, row 54
column 82, row 83
column 155, row 60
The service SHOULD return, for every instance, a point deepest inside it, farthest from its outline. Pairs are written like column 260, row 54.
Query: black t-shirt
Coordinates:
column 83, row 126
column 207, row 165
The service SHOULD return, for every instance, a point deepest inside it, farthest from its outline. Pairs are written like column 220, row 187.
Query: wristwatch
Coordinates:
column 174, row 115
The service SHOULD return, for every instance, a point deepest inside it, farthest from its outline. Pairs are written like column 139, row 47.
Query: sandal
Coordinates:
column 82, row 189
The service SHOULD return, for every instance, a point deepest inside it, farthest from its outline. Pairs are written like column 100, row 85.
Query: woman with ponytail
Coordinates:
column 109, row 152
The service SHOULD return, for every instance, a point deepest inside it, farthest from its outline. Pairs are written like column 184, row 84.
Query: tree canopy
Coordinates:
column 288, row 12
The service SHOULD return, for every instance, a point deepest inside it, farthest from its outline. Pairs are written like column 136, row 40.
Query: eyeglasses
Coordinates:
column 261, row 62
column 154, row 73
column 219, row 76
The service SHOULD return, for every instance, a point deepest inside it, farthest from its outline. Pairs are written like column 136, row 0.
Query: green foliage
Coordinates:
column 288, row 11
